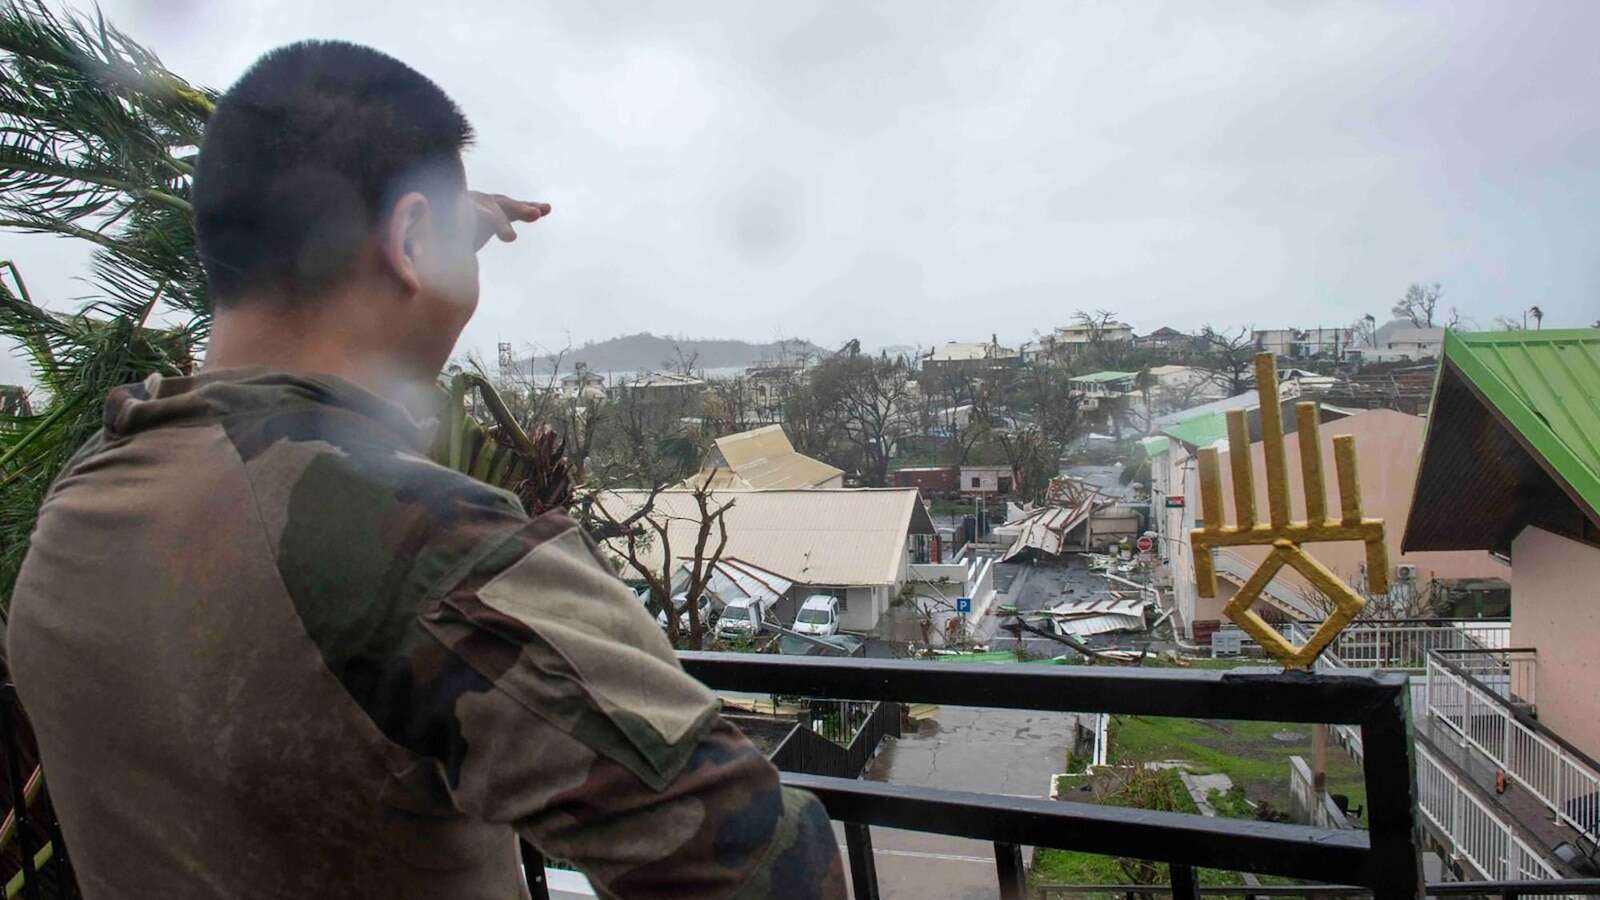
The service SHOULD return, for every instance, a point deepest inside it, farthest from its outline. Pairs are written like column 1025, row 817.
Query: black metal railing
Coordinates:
column 1508, row 890
column 807, row 751
column 1385, row 859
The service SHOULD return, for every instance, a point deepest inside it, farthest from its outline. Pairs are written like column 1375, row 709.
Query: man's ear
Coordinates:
column 409, row 219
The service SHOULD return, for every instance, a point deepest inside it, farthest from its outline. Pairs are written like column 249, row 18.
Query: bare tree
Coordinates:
column 1418, row 305
column 1230, row 355
column 1095, row 323
column 635, row 535
column 1364, row 331
column 682, row 363
column 874, row 411
column 729, row 407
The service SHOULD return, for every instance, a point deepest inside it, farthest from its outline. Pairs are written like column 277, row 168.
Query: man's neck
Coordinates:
column 308, row 342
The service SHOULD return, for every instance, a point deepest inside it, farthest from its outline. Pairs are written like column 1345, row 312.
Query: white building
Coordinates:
column 1400, row 341
column 857, row 544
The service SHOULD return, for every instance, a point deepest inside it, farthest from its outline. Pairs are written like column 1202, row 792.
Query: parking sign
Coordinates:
column 963, row 604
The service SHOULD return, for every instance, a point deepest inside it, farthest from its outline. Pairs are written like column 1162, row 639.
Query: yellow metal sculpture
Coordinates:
column 1285, row 537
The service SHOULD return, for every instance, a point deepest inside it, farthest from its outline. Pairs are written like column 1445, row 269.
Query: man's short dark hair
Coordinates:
column 304, row 156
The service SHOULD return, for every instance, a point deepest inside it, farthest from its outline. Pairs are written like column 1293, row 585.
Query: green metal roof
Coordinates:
column 1546, row 385
column 1155, row 445
column 1096, row 377
column 1201, row 431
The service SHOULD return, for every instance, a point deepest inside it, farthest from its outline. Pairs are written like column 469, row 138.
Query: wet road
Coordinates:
column 994, row 751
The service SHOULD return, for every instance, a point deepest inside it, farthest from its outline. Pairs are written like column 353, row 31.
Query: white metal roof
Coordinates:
column 1114, row 613
column 763, row 458
column 735, row 579
column 1046, row 529
column 849, row 536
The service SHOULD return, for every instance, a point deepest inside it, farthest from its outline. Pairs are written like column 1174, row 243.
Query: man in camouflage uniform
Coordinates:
column 272, row 651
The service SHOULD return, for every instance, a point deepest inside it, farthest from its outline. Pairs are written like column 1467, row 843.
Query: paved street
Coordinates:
column 995, row 751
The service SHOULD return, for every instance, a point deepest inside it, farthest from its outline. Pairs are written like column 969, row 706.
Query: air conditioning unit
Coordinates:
column 1406, row 572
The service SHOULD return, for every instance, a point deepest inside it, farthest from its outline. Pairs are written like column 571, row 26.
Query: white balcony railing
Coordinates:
column 1474, row 699
column 1478, row 833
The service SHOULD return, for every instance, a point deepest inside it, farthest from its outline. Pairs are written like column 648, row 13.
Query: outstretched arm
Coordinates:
column 583, row 732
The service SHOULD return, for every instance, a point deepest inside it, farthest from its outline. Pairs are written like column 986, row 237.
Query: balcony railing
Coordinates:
column 1475, row 830
column 1474, row 693
column 1507, row 890
column 1384, row 859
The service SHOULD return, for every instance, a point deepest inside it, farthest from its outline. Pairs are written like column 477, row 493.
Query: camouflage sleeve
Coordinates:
column 597, row 746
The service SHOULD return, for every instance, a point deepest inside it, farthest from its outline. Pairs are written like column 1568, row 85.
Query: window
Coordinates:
column 976, row 481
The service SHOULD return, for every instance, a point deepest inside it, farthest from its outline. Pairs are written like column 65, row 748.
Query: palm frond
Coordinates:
column 97, row 140
column 500, row 453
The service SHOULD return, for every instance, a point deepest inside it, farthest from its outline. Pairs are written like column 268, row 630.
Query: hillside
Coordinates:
column 635, row 352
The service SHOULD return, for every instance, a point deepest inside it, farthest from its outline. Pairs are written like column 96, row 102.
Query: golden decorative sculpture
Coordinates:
column 1285, row 537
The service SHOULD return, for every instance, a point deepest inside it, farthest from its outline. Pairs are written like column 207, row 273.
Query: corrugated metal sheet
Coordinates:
column 763, row 459
column 1547, row 386
column 1115, row 613
column 1098, row 377
column 735, row 579
column 838, row 537
column 1046, row 529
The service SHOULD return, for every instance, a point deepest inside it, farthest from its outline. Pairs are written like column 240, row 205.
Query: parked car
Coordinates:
column 745, row 618
column 680, row 602
column 818, row 615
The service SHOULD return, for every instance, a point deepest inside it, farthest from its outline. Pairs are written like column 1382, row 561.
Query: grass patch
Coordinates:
column 1244, row 751
column 1152, row 789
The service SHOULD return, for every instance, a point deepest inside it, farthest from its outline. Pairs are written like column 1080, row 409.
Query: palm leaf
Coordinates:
column 500, row 452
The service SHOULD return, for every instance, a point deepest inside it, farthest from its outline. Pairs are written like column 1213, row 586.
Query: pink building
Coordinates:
column 1511, row 465
column 1389, row 444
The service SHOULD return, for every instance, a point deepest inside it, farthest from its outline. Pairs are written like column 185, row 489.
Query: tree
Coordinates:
column 1364, row 331
column 1418, row 305
column 1230, row 356
column 730, row 407
column 1033, row 425
column 96, row 139
column 1094, row 323
column 1459, row 322
column 862, row 402
column 633, row 535
column 949, row 406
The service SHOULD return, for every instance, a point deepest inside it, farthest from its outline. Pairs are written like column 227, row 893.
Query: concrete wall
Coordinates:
column 988, row 479
column 1388, row 449
column 951, row 571
column 864, row 605
column 1555, row 609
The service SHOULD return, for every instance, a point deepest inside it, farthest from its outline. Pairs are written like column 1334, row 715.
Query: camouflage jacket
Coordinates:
column 272, row 651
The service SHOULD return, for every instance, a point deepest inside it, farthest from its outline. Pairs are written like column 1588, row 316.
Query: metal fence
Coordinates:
column 1508, row 890
column 1482, row 712
column 806, row 750
column 1476, row 830
column 1404, row 645
column 1385, row 858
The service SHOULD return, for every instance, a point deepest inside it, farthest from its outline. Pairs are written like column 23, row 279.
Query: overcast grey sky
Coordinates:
column 915, row 172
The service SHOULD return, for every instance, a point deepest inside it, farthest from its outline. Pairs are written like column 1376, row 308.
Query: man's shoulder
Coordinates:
column 353, row 514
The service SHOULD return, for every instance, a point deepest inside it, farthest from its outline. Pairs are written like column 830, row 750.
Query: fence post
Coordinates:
column 1013, row 878
column 863, row 867
column 19, row 792
column 1184, row 885
column 1391, row 775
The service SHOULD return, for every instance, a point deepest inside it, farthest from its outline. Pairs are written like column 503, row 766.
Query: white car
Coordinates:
column 742, row 620
column 680, row 603
column 818, row 615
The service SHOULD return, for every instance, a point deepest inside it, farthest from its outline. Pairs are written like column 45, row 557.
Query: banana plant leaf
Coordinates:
column 500, row 452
